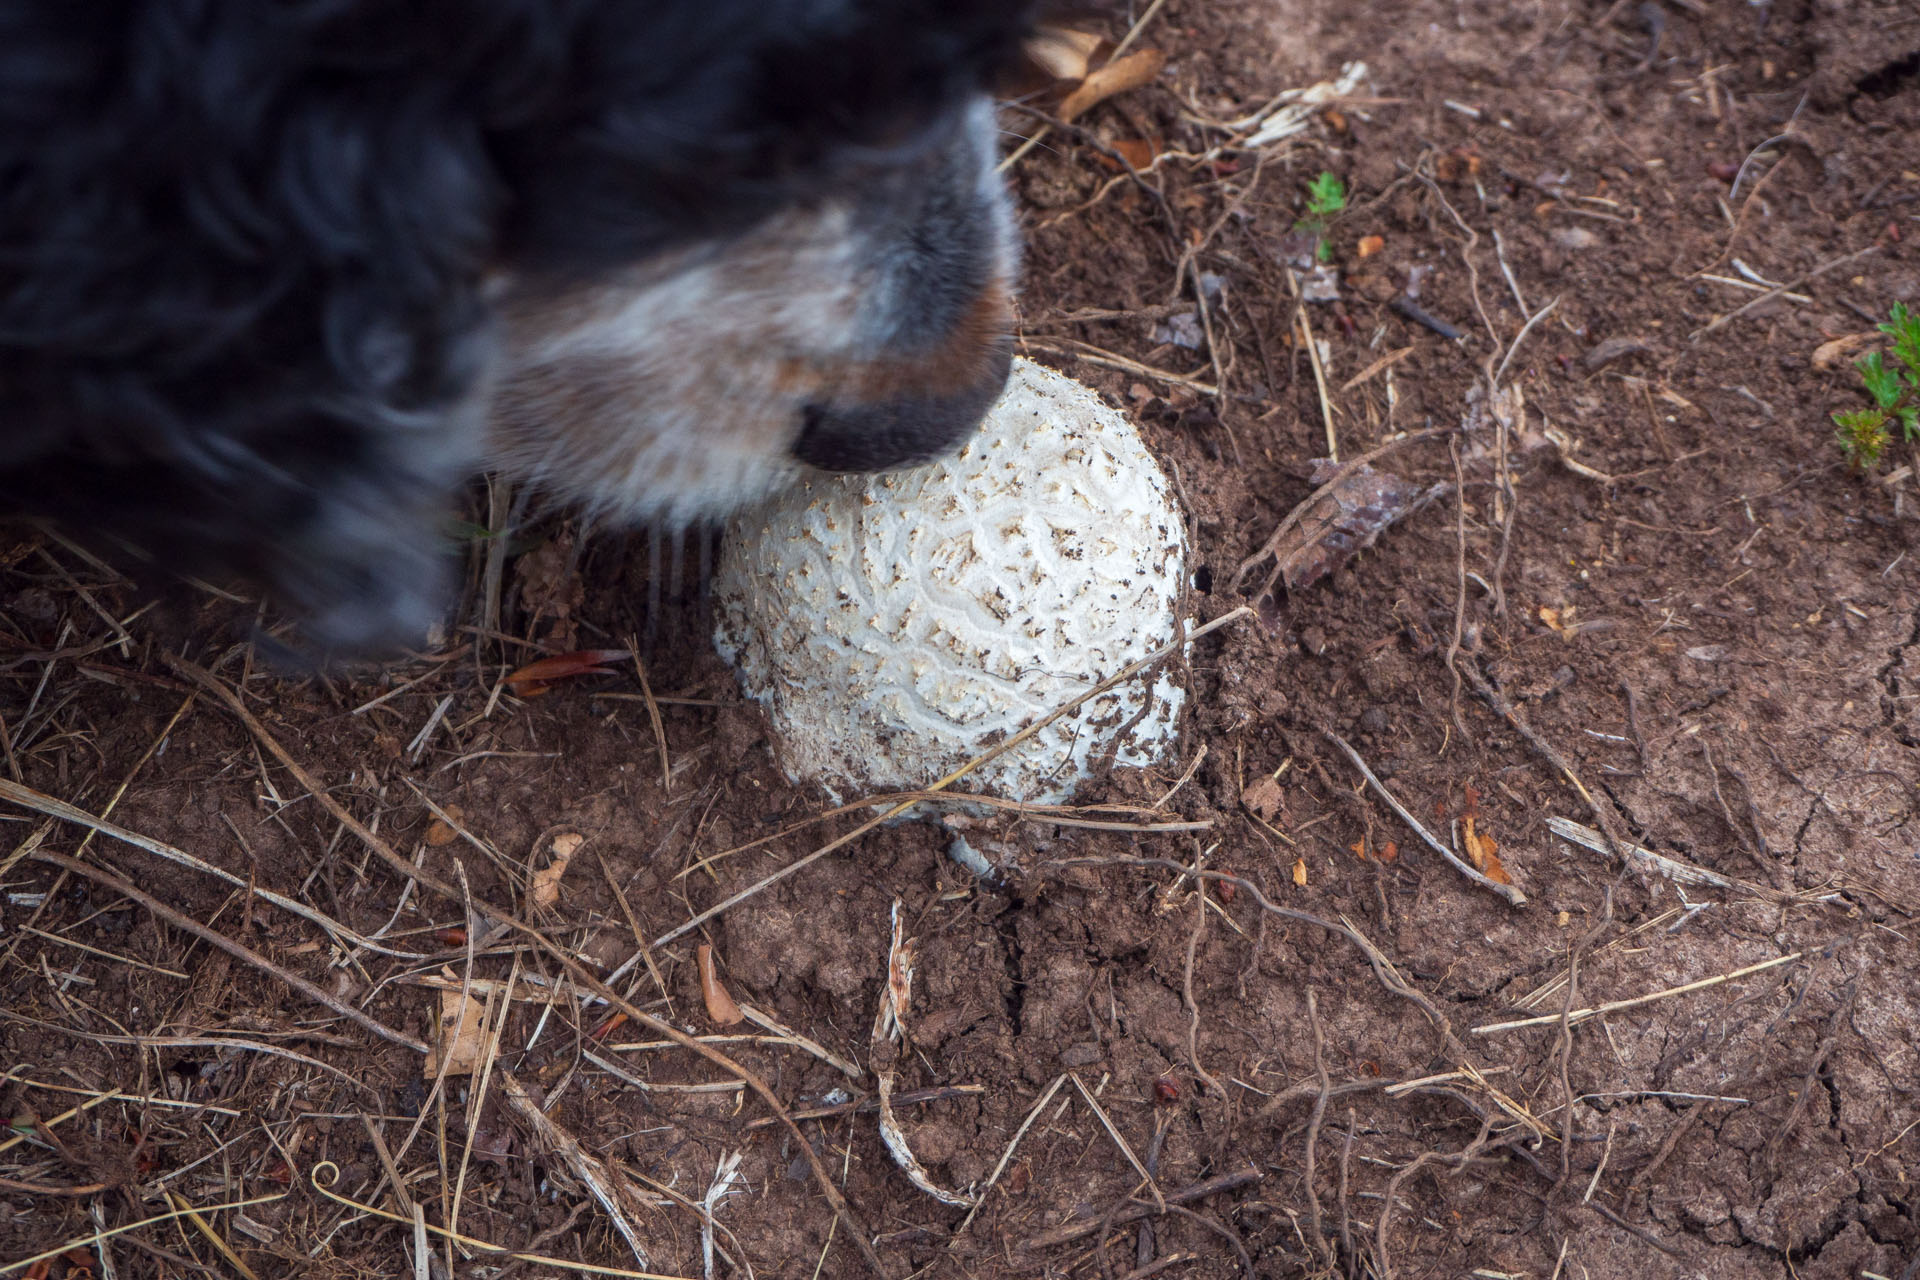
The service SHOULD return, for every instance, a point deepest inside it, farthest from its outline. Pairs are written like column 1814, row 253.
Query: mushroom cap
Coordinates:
column 896, row 626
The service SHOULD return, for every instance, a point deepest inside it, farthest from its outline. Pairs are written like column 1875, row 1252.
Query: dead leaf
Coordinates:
column 1370, row 245
column 1344, row 517
column 1496, row 870
column 1473, row 844
column 1560, row 621
column 440, row 832
column 890, row 1021
column 1300, row 872
column 720, row 1006
column 546, row 881
column 460, row 1036
column 1263, row 797
column 1484, row 853
column 1387, row 852
column 1117, row 76
column 538, row 676
column 1062, row 52
column 1828, row 355
column 1378, row 367
column 1139, row 153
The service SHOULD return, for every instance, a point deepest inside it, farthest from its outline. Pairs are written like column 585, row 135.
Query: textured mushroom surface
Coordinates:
column 896, row 626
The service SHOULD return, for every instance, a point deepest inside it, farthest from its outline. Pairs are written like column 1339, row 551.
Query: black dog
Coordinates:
column 276, row 276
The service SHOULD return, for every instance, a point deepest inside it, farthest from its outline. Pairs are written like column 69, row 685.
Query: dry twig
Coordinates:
column 1009, row 743
column 1615, row 1006
column 1507, row 891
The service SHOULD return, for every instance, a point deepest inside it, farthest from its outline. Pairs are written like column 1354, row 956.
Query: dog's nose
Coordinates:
column 902, row 430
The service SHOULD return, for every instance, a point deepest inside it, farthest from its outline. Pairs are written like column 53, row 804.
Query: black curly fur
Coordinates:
column 246, row 245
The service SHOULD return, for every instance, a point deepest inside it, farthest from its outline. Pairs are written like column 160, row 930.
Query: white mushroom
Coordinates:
column 897, row 626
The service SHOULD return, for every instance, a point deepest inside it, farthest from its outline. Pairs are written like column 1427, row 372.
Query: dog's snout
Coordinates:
column 899, row 431
column 934, row 316
column 859, row 333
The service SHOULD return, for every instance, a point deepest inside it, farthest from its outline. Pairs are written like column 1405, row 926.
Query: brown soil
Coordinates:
column 1704, row 615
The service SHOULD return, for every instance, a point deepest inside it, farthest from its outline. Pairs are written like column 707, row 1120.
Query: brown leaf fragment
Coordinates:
column 460, row 1036
column 1116, row 77
column 1062, row 52
column 1472, row 841
column 536, row 677
column 1137, row 152
column 441, row 832
column 1484, row 852
column 1496, row 870
column 1345, row 517
column 546, row 881
column 720, row 1006
column 1828, row 355
column 1263, row 798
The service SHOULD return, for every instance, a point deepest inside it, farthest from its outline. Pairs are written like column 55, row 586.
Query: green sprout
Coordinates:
column 1895, row 391
column 1326, row 200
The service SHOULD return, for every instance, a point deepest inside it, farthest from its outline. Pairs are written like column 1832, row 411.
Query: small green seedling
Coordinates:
column 1326, row 200
column 1865, row 433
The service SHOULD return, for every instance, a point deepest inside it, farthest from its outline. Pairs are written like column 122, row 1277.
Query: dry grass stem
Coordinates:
column 1066, row 708
column 783, row 1034
column 1006, row 1156
column 1065, row 815
column 573, row 967
column 236, row 1044
column 1319, row 371
column 38, row 802
column 653, row 714
column 94, row 1239
column 1520, row 337
column 1106, row 1122
column 1377, row 368
column 1791, row 285
column 1270, row 548
column 1113, row 360
column 1615, row 1006
column 894, row 1138
column 1511, row 893
column 627, row 1077
column 907, row 1098
column 1659, row 863
column 323, row 1175
column 618, row 1199
column 1085, row 1222
column 228, row 945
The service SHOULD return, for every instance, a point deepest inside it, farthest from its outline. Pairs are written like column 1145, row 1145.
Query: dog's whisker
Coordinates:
column 708, row 535
column 652, row 631
column 676, row 561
